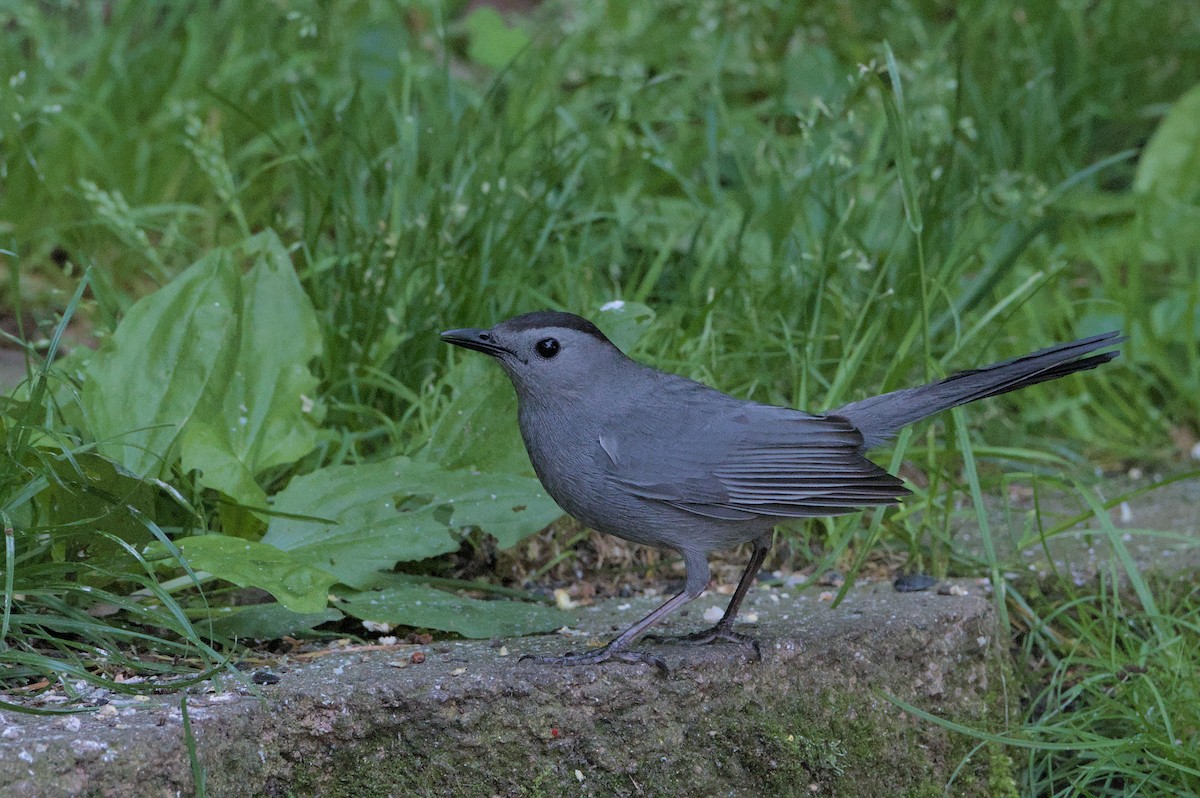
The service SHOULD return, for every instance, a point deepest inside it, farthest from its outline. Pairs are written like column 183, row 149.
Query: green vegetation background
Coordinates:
column 259, row 215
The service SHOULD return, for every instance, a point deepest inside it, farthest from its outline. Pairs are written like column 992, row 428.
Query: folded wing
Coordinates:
column 747, row 461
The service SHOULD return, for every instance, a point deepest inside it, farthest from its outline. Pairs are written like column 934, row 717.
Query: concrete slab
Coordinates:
column 811, row 718
column 1159, row 528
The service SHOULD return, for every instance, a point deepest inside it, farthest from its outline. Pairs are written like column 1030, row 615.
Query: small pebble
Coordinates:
column 912, row 583
column 713, row 614
column 563, row 599
column 826, row 595
column 831, row 579
column 567, row 631
column 417, row 657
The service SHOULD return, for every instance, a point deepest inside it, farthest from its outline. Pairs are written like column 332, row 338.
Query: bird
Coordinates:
column 662, row 460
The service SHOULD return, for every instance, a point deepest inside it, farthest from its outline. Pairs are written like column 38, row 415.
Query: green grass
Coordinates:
column 818, row 201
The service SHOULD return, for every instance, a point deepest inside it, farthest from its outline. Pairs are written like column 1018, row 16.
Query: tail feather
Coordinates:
column 881, row 417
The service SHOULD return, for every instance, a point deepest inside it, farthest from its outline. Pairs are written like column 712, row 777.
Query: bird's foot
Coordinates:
column 721, row 632
column 603, row 655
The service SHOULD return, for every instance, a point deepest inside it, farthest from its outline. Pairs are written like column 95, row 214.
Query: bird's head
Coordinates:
column 547, row 353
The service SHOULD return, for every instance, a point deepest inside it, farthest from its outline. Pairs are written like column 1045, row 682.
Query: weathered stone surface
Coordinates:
column 1160, row 529
column 810, row 719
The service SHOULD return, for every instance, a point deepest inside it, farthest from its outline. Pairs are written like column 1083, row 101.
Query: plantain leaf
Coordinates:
column 400, row 509
column 297, row 586
column 90, row 492
column 427, row 608
column 213, row 366
column 478, row 429
column 148, row 378
column 264, row 621
column 261, row 416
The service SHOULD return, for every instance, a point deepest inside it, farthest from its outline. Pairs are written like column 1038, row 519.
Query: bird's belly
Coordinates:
column 603, row 505
column 592, row 501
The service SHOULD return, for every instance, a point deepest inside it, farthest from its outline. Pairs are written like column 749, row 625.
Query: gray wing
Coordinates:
column 740, row 460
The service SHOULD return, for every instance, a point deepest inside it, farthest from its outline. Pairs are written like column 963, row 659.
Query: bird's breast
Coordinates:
column 572, row 465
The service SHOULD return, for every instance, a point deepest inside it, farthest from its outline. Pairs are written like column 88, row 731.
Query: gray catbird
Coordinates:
column 659, row 459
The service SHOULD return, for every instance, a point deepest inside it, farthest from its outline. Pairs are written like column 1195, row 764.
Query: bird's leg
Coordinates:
column 724, row 628
column 618, row 648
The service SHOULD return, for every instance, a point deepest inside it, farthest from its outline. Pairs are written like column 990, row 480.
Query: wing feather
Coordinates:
column 754, row 461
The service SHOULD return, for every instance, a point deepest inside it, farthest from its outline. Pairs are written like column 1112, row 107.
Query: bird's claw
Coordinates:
column 722, row 632
column 603, row 655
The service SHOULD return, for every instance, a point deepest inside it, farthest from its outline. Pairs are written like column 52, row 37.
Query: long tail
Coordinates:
column 881, row 417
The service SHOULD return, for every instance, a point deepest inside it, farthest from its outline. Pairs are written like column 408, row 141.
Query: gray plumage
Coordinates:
column 659, row 459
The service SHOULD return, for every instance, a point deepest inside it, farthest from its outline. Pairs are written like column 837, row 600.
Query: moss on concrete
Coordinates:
column 810, row 719
column 810, row 744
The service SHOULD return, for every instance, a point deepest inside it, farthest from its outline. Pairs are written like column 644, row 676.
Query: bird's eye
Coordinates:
column 547, row 348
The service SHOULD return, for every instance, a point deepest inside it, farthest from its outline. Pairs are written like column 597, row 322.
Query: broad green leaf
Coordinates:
column 478, row 428
column 261, row 417
column 91, row 492
column 148, row 378
column 265, row 621
column 218, row 356
column 297, row 586
column 490, row 41
column 427, row 608
column 400, row 509
column 1170, row 163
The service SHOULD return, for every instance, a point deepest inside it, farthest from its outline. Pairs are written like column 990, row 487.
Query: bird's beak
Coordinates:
column 479, row 340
